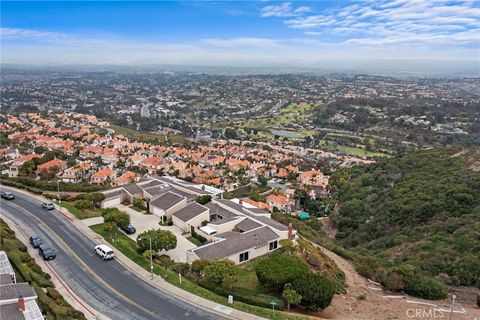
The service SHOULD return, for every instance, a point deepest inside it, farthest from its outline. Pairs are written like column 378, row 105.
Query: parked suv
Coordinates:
column 129, row 229
column 48, row 205
column 36, row 241
column 105, row 252
column 46, row 252
column 8, row 195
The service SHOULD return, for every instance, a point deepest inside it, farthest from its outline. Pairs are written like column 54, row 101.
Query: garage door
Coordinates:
column 110, row 202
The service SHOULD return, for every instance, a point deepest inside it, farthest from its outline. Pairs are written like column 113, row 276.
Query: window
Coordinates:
column 244, row 256
column 273, row 245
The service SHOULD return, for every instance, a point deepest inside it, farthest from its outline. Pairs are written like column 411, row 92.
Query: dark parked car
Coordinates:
column 129, row 229
column 46, row 252
column 8, row 196
column 36, row 241
column 48, row 206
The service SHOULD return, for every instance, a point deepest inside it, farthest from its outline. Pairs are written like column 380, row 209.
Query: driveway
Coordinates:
column 143, row 222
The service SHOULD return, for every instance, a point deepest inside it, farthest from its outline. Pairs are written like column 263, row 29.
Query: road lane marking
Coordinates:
column 32, row 201
column 88, row 269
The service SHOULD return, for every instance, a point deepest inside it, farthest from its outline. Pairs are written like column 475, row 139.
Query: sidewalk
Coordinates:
column 143, row 222
column 67, row 293
column 157, row 281
column 163, row 285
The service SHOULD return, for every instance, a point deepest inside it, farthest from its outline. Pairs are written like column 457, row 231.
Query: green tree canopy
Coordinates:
column 279, row 268
column 291, row 296
column 317, row 291
column 220, row 271
column 161, row 240
column 204, row 199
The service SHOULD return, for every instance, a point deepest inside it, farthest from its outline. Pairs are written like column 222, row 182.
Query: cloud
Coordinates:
column 283, row 10
column 14, row 33
column 395, row 22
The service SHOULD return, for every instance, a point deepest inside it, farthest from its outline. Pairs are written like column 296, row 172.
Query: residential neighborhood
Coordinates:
column 75, row 148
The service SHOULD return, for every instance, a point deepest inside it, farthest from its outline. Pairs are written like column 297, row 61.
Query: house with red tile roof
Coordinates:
column 126, row 178
column 152, row 164
column 18, row 162
column 55, row 163
column 105, row 175
column 237, row 164
column 257, row 204
column 281, row 202
column 281, row 173
column 91, row 152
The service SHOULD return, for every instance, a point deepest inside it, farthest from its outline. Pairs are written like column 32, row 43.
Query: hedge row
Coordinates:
column 255, row 300
column 51, row 302
column 27, row 182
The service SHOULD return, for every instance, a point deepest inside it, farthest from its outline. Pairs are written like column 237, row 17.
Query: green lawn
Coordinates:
column 129, row 247
column 139, row 209
column 149, row 137
column 79, row 213
column 293, row 113
column 359, row 151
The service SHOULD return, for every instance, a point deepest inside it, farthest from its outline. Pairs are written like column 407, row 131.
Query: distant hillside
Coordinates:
column 413, row 218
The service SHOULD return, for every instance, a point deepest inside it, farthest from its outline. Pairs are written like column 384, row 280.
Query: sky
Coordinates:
column 396, row 34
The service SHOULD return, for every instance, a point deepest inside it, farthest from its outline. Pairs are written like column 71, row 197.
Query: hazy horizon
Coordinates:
column 399, row 36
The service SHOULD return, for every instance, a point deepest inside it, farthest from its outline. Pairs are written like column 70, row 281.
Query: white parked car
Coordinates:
column 105, row 252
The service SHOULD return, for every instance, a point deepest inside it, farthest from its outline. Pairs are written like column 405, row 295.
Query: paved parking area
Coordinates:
column 143, row 222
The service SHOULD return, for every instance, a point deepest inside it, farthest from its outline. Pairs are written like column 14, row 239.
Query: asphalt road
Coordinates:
column 107, row 286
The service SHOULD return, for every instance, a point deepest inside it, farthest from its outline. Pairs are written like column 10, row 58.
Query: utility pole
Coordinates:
column 58, row 195
column 151, row 259
column 451, row 308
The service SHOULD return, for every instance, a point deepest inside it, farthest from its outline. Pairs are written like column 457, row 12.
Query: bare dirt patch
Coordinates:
column 367, row 300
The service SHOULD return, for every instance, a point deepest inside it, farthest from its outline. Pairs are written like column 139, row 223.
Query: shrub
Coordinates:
column 21, row 247
column 291, row 296
column 83, row 204
column 317, row 292
column 181, row 267
column 220, row 271
column 120, row 218
column 394, row 282
column 23, row 270
column 198, row 237
column 147, row 254
column 94, row 197
column 139, row 203
column 287, row 245
column 204, row 199
column 198, row 267
column 419, row 285
column 425, row 287
column 165, row 261
column 41, row 280
column 277, row 269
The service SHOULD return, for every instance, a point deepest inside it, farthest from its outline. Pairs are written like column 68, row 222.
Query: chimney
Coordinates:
column 203, row 187
column 290, row 231
column 21, row 303
column 240, row 202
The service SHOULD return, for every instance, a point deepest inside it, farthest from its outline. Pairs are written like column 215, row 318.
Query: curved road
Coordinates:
column 107, row 286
